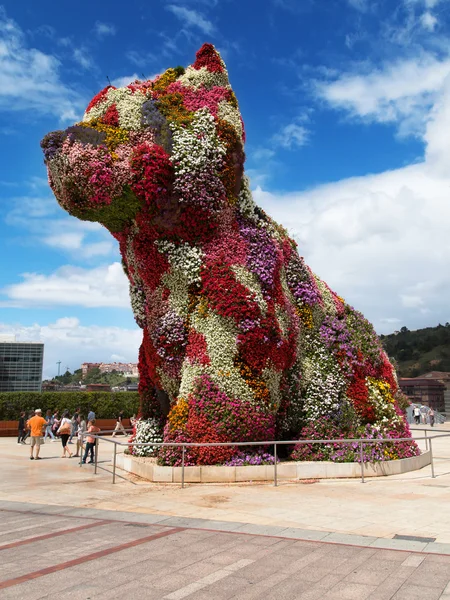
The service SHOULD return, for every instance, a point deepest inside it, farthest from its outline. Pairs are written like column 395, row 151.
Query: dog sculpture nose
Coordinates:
column 51, row 143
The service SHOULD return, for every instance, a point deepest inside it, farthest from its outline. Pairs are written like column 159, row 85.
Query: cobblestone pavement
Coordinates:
column 49, row 552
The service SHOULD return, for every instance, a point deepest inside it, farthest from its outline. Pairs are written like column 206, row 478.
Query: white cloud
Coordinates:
column 68, row 241
column 140, row 59
column 411, row 301
column 125, row 80
column 73, row 343
column 361, row 5
column 428, row 21
column 47, row 224
column 291, row 136
column 402, row 92
column 192, row 18
column 104, row 29
column 103, row 286
column 81, row 56
column 29, row 78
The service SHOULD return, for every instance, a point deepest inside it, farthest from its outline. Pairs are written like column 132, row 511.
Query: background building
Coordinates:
column 443, row 377
column 422, row 390
column 128, row 369
column 20, row 365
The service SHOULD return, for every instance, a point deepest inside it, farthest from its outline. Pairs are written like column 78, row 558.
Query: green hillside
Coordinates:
column 417, row 352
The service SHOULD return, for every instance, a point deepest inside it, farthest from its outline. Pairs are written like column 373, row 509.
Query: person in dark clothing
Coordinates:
column 27, row 430
column 22, row 425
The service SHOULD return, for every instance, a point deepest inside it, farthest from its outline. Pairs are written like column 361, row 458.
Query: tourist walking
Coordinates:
column 74, row 425
column 416, row 412
column 48, row 427
column 90, row 443
column 21, row 428
column 91, row 415
column 64, row 431
column 36, row 426
column 27, row 429
column 119, row 425
column 56, row 422
column 80, row 437
column 431, row 417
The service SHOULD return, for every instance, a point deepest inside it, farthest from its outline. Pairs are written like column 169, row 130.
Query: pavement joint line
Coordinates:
column 431, row 548
column 47, row 536
column 83, row 559
column 214, row 577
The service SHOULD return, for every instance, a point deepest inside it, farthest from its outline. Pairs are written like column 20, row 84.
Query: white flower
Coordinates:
column 147, row 432
column 195, row 78
column 128, row 104
column 229, row 113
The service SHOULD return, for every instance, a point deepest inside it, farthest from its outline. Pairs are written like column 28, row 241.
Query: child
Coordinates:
column 90, row 442
column 80, row 436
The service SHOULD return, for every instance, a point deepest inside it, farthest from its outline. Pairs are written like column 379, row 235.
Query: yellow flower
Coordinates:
column 178, row 415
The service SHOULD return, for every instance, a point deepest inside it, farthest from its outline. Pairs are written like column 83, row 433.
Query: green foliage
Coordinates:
column 115, row 216
column 105, row 404
column 417, row 352
column 113, row 379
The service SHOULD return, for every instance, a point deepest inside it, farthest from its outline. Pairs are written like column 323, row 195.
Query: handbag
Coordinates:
column 65, row 429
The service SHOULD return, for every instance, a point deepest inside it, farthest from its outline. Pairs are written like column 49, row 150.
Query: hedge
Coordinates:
column 106, row 405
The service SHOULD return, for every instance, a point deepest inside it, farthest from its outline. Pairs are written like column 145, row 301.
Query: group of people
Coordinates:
column 422, row 416
column 64, row 426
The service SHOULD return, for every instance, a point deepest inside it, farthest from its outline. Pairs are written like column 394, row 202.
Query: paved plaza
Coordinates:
column 68, row 533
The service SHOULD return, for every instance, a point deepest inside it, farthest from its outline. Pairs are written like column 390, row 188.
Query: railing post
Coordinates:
column 114, row 462
column 96, row 455
column 81, row 449
column 426, row 440
column 275, row 481
column 182, row 465
column 361, row 458
column 432, row 460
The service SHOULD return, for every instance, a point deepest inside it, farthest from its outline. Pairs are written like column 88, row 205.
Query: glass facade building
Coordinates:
column 21, row 366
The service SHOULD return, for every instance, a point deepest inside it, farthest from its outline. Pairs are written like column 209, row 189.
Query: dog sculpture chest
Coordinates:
column 241, row 340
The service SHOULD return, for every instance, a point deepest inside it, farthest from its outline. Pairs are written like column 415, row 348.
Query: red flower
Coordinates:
column 111, row 116
column 208, row 57
column 99, row 97
column 197, row 350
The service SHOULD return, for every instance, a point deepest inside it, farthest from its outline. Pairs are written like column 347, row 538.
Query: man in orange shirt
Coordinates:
column 36, row 424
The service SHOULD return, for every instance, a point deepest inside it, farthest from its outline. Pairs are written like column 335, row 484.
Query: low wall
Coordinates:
column 148, row 469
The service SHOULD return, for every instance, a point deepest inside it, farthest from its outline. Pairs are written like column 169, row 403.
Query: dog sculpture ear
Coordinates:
column 209, row 71
column 209, row 58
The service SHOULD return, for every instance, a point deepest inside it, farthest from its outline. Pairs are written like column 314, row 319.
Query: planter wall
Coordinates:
column 148, row 469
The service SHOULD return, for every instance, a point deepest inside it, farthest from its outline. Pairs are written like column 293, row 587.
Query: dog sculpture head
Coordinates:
column 168, row 148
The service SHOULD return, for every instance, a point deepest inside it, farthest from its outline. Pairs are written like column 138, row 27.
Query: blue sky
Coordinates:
column 347, row 110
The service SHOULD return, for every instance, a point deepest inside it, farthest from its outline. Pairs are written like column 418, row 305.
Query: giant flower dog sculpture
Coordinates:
column 242, row 342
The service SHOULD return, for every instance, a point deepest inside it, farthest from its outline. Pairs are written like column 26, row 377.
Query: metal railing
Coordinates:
column 359, row 442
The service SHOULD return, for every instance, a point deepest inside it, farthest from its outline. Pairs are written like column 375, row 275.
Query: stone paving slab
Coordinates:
column 126, row 559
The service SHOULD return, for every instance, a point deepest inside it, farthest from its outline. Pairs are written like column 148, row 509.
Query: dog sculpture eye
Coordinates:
column 242, row 342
